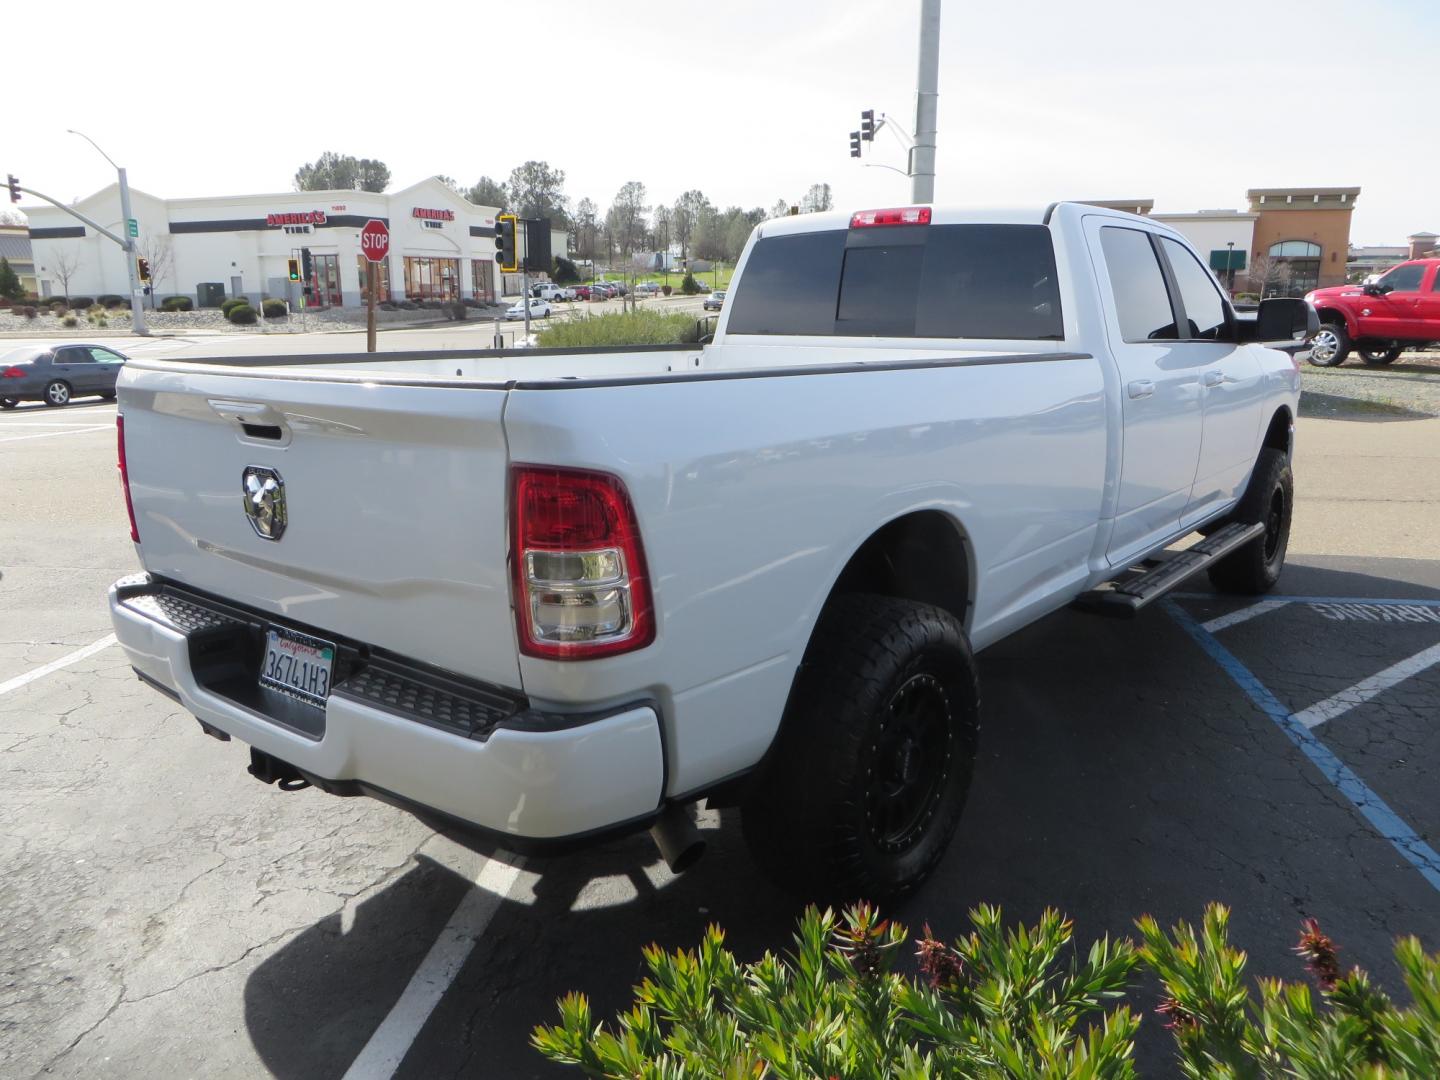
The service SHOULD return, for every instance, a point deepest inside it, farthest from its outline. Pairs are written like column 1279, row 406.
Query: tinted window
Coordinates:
column 73, row 356
column 1403, row 278
column 1204, row 310
column 1142, row 303
column 940, row 281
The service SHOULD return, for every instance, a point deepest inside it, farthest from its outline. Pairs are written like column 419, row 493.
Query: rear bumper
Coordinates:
column 531, row 780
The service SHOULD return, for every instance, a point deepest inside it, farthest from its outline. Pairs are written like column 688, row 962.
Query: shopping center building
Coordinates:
column 441, row 246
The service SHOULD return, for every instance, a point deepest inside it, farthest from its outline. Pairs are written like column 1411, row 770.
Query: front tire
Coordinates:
column 1330, row 345
column 57, row 393
column 866, row 782
column 1377, row 357
column 1255, row 568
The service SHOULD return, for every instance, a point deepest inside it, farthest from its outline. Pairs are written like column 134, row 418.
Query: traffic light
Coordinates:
column 143, row 265
column 14, row 183
column 306, row 265
column 854, row 144
column 294, row 267
column 867, row 125
column 507, row 254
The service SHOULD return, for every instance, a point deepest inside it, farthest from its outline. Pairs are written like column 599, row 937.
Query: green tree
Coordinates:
column 685, row 215
column 538, row 191
column 450, row 182
column 487, row 192
column 9, row 281
column 342, row 172
column 587, row 226
column 627, row 216
column 565, row 272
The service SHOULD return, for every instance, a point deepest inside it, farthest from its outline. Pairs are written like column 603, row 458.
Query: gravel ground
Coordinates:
column 211, row 320
column 1408, row 387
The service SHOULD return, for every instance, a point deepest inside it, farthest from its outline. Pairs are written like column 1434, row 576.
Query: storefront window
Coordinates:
column 326, row 291
column 382, row 276
column 483, row 272
column 1294, row 268
column 432, row 279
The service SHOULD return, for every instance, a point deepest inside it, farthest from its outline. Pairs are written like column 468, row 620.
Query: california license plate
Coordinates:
column 298, row 665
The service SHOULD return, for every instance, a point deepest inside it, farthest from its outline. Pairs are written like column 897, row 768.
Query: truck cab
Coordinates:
column 1380, row 318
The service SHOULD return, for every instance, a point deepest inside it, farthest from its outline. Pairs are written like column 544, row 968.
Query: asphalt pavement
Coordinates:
column 165, row 912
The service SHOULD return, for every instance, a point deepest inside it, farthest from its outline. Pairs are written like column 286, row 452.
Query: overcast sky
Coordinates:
column 1182, row 101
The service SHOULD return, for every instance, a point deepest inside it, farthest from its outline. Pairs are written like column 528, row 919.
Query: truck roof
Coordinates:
column 944, row 215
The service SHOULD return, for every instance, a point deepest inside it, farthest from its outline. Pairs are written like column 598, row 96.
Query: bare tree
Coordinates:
column 1260, row 275
column 65, row 264
column 816, row 199
column 12, row 217
column 159, row 252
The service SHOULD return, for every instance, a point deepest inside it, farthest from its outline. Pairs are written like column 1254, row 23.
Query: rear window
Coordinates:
column 931, row 281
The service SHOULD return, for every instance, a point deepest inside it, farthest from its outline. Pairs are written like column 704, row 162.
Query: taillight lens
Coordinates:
column 125, row 477
column 12, row 373
column 581, row 587
column 900, row 215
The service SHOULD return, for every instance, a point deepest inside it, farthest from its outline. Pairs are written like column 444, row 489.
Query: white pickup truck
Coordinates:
column 557, row 595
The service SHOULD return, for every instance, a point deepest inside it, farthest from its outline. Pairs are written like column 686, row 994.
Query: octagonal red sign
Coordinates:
column 375, row 240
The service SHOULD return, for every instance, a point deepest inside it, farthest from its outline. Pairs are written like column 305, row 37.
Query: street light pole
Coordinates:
column 1230, row 265
column 927, row 94
column 137, row 304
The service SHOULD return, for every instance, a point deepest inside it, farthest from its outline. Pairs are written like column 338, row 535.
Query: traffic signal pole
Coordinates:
column 137, row 298
column 927, row 94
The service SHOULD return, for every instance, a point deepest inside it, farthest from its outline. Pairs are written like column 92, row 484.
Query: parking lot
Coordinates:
column 165, row 912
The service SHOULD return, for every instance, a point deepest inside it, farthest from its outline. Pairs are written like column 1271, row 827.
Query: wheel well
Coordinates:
column 1279, row 435
column 1332, row 316
column 922, row 557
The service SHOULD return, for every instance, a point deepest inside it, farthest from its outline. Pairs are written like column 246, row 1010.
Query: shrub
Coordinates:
column 79, row 303
column 666, row 290
column 386, row 305
column 233, row 302
column 409, row 305
column 27, row 311
column 95, row 309
column 1001, row 1003
column 645, row 327
column 689, row 286
column 111, row 300
column 566, row 273
column 242, row 315
column 70, row 320
column 57, row 309
column 458, row 311
column 274, row 309
column 177, row 303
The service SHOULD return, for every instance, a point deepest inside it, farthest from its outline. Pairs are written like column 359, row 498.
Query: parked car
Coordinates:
column 600, row 290
column 715, row 301
column 57, row 374
column 548, row 290
column 610, row 606
column 539, row 309
column 647, row 288
column 1389, row 313
column 619, row 288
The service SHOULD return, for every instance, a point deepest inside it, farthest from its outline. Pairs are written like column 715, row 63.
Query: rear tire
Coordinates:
column 8, row 403
column 867, row 779
column 107, row 395
column 1330, row 345
column 1255, row 568
column 1377, row 357
column 57, row 393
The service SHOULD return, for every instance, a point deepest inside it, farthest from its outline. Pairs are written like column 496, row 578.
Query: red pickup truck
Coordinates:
column 1398, row 310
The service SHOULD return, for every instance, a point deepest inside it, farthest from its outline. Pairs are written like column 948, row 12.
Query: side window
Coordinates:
column 1204, row 309
column 1403, row 278
column 105, row 356
column 1435, row 285
column 1142, row 303
column 72, row 356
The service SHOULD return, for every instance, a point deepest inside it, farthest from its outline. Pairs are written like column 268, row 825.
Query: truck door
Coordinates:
column 1159, row 386
column 1230, row 384
column 1396, row 314
column 1427, row 308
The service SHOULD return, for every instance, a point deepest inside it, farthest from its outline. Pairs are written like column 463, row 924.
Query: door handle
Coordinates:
column 1214, row 378
column 1140, row 388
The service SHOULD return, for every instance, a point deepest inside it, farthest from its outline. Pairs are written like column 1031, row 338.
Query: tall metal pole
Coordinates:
column 137, row 301
column 927, row 94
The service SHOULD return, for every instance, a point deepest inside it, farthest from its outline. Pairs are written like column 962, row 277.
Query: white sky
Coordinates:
column 1184, row 101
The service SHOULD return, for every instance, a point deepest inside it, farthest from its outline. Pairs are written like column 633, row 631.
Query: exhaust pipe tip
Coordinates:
column 680, row 843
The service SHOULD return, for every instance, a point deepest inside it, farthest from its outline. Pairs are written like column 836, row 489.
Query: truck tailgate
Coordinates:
column 394, row 497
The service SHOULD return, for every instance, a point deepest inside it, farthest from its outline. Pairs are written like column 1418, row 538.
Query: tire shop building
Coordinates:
column 441, row 246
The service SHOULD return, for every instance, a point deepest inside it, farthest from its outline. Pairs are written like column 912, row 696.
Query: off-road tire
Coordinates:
column 1270, row 497
column 1379, row 357
column 818, row 817
column 1341, row 342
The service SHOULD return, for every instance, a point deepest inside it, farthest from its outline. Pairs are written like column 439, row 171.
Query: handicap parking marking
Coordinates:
column 1394, row 829
column 1341, row 703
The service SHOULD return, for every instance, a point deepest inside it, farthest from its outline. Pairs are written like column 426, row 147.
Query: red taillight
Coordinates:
column 13, row 373
column 581, row 588
column 125, row 477
column 900, row 215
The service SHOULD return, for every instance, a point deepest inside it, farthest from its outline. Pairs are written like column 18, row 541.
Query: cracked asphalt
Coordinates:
column 166, row 914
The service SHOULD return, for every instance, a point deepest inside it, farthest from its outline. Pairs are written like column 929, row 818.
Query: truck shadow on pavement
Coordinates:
column 1122, row 771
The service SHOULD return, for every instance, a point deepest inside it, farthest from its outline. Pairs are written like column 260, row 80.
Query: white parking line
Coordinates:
column 1245, row 614
column 395, row 1035
column 55, row 665
column 52, row 434
column 1362, row 692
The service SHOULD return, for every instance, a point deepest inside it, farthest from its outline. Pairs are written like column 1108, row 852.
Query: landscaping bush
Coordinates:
column 232, row 302
column 57, row 309
column 386, row 305
column 566, row 273
column 242, row 315
column 1001, row 1003
column 94, row 310
column 111, row 300
column 409, row 305
column 666, row 290
column 80, row 303
column 458, row 311
column 177, row 303
column 274, row 309
column 689, row 286
column 644, row 327
column 70, row 320
column 27, row 311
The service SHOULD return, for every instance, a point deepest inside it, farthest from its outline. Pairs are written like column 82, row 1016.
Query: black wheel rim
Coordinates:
column 1274, row 520
column 910, row 760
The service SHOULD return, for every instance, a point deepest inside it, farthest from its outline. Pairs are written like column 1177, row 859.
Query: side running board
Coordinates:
column 1123, row 598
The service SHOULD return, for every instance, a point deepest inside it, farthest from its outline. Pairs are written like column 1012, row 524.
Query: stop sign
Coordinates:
column 375, row 241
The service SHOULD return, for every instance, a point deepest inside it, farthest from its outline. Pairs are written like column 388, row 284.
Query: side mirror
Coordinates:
column 1371, row 289
column 1285, row 319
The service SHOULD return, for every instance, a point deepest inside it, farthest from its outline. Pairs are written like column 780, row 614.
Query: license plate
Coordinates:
column 298, row 665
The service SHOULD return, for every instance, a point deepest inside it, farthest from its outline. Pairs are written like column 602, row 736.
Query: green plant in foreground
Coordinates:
column 642, row 327
column 999, row 1003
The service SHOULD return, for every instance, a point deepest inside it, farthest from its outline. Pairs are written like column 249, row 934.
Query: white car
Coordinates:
column 576, row 593
column 548, row 290
column 538, row 309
